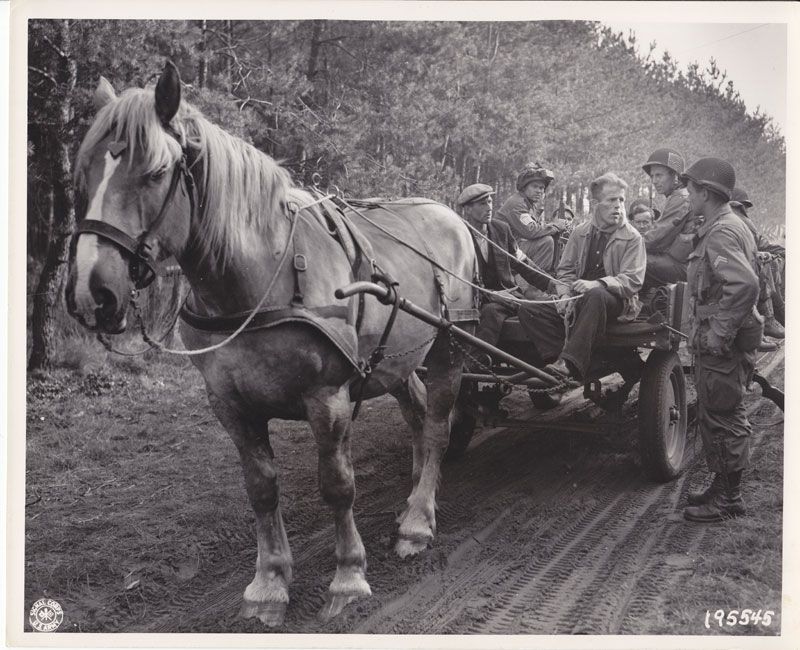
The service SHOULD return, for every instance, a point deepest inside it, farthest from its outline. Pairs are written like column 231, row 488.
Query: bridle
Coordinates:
column 142, row 264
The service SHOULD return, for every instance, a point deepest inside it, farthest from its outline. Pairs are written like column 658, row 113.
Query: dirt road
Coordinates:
column 538, row 532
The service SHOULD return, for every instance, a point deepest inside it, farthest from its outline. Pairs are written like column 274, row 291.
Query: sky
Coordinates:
column 753, row 54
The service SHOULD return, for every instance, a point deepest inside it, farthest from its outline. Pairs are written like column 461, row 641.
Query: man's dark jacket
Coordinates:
column 496, row 272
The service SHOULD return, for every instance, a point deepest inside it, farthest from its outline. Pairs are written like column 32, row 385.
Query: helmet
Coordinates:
column 638, row 205
column 740, row 196
column 474, row 193
column 534, row 172
column 714, row 174
column 668, row 158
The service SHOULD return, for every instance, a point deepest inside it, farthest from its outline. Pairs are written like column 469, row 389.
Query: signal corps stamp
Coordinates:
column 46, row 615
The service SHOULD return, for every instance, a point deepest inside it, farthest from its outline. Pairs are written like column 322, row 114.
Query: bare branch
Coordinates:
column 44, row 74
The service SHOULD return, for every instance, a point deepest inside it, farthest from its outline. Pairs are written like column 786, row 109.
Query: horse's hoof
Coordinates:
column 410, row 546
column 270, row 613
column 334, row 604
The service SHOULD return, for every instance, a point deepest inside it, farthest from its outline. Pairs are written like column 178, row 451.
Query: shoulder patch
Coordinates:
column 719, row 261
column 526, row 219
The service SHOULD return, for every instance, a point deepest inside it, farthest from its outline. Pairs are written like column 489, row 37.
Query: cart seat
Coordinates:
column 631, row 334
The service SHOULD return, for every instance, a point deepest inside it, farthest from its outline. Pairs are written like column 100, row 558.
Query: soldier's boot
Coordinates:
column 725, row 504
column 771, row 326
column 704, row 496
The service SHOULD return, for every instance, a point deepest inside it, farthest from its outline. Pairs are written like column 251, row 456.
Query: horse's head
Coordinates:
column 135, row 199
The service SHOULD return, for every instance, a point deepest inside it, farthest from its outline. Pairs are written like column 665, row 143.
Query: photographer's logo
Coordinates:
column 46, row 615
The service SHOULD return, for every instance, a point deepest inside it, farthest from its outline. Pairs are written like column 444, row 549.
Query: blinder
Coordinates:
column 142, row 265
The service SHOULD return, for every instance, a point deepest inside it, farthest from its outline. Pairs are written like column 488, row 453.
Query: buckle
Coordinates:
column 300, row 262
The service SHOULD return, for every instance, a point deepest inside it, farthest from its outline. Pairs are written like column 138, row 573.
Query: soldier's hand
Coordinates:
column 559, row 224
column 764, row 256
column 582, row 286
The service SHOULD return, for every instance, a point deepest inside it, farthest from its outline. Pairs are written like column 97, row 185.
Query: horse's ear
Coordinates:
column 104, row 93
column 168, row 93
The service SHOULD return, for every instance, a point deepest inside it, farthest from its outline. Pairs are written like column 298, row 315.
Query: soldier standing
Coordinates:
column 725, row 332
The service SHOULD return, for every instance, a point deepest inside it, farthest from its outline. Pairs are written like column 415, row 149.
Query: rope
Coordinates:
column 520, row 301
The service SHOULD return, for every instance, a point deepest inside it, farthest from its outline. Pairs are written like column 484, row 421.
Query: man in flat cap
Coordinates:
column 524, row 213
column 498, row 254
column 770, row 260
column 671, row 238
column 725, row 331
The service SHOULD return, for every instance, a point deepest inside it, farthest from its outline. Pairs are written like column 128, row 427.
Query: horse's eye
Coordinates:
column 157, row 175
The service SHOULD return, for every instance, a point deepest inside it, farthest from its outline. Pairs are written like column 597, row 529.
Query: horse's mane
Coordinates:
column 240, row 189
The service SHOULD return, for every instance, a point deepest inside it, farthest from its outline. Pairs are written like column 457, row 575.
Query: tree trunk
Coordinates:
column 202, row 65
column 48, row 291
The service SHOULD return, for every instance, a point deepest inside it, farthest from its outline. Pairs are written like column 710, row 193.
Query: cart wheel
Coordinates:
column 545, row 401
column 662, row 416
column 463, row 422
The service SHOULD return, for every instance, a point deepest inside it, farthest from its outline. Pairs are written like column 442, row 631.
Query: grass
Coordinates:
column 110, row 501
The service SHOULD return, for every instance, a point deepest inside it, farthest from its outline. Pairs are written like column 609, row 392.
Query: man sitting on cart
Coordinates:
column 497, row 254
column 604, row 263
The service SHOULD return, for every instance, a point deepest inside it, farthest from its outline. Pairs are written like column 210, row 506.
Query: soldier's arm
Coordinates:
column 632, row 268
column 525, row 226
column 729, row 264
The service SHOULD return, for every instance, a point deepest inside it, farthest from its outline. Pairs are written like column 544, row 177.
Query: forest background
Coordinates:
column 390, row 109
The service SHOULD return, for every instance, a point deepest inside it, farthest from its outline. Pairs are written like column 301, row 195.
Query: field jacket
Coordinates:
column 722, row 281
column 673, row 232
column 624, row 262
column 522, row 217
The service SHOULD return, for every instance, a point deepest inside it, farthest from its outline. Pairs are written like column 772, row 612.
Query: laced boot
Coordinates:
column 771, row 326
column 704, row 496
column 727, row 503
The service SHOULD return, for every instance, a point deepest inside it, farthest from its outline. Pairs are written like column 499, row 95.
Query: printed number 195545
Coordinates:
column 736, row 617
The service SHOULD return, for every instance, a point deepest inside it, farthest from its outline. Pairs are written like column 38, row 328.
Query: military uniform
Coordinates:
column 670, row 241
column 723, row 289
column 671, row 238
column 535, row 237
column 725, row 330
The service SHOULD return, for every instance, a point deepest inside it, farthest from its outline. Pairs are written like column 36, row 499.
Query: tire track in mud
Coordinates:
column 538, row 532
column 574, row 584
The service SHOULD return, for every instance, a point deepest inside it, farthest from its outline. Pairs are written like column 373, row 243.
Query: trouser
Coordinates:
column 494, row 313
column 544, row 326
column 768, row 273
column 721, row 383
column 540, row 251
column 663, row 269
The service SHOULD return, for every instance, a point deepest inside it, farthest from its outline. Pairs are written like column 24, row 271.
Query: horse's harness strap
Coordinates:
column 378, row 354
column 143, row 266
column 262, row 319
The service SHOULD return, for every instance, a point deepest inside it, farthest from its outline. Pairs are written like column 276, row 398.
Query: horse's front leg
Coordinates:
column 442, row 381
column 267, row 596
column 328, row 411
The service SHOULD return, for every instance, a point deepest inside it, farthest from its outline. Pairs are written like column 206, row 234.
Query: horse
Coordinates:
column 154, row 178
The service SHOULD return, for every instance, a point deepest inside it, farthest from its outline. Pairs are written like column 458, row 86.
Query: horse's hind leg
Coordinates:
column 328, row 412
column 267, row 596
column 410, row 395
column 418, row 522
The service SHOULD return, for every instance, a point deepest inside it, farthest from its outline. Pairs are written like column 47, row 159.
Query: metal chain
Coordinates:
column 565, row 384
column 398, row 355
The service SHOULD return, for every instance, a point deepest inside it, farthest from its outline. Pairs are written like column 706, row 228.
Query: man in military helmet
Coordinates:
column 671, row 238
column 770, row 267
column 524, row 213
column 603, row 263
column 498, row 255
column 724, row 333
